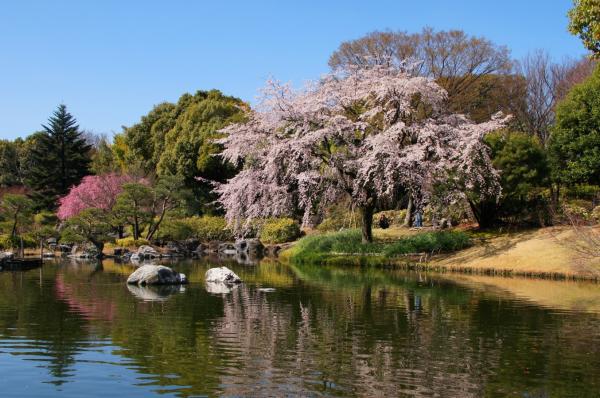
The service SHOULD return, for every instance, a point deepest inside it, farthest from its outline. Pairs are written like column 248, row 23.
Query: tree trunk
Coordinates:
column 484, row 212
column 99, row 245
column 409, row 209
column 154, row 226
column 14, row 227
column 136, row 229
column 367, row 223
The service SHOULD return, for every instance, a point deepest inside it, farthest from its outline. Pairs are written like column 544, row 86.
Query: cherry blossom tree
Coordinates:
column 370, row 133
column 94, row 191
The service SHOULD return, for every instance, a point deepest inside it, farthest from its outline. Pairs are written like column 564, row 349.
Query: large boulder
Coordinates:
column 151, row 274
column 252, row 247
column 222, row 275
column 227, row 248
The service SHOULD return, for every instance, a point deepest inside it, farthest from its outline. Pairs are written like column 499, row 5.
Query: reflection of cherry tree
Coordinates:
column 372, row 134
column 339, row 345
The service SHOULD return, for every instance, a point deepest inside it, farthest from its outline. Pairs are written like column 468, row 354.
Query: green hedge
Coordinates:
column 279, row 230
column 207, row 228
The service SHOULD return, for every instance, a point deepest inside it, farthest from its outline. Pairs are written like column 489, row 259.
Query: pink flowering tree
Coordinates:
column 94, row 191
column 369, row 133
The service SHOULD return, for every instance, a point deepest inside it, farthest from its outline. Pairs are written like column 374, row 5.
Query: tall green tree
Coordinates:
column 133, row 207
column 575, row 142
column 585, row 23
column 179, row 139
column 522, row 164
column 9, row 164
column 59, row 159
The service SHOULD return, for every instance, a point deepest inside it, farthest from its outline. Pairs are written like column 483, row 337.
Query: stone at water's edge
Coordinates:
column 150, row 274
column 222, row 275
column 249, row 246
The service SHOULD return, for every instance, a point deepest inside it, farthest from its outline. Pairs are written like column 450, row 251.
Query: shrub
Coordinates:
column 279, row 230
column 175, row 230
column 8, row 242
column 339, row 217
column 207, row 228
column 577, row 210
column 13, row 242
column 130, row 242
column 430, row 242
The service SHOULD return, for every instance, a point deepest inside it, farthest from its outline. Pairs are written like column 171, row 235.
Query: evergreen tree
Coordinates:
column 59, row 160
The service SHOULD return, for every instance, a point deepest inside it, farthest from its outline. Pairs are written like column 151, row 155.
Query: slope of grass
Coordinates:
column 346, row 246
column 539, row 252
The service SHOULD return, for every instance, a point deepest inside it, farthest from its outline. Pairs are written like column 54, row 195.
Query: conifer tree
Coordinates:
column 60, row 159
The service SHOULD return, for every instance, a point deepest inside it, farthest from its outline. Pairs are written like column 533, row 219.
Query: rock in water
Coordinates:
column 222, row 275
column 150, row 274
column 219, row 288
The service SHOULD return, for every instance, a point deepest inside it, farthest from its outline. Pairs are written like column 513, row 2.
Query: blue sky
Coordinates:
column 111, row 61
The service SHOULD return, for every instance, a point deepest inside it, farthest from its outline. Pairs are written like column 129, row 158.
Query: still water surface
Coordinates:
column 76, row 329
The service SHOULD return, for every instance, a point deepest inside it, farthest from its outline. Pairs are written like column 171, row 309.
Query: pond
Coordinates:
column 76, row 329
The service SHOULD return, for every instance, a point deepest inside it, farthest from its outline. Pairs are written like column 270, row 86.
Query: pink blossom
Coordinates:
column 366, row 132
column 99, row 192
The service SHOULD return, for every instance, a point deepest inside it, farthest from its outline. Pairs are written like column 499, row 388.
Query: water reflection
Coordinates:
column 79, row 329
column 155, row 293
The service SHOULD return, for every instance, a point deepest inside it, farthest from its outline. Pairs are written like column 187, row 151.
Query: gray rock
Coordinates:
column 146, row 251
column 151, row 274
column 222, row 275
column 212, row 247
column 227, row 248
column 200, row 249
column 249, row 246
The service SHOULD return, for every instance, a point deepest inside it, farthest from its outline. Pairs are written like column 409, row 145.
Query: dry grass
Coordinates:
column 545, row 251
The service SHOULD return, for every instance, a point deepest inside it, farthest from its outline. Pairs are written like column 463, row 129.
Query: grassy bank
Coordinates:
column 549, row 253
column 346, row 247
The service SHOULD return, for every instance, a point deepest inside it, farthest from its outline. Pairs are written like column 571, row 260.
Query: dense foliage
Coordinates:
column 279, row 230
column 585, row 22
column 575, row 145
column 179, row 139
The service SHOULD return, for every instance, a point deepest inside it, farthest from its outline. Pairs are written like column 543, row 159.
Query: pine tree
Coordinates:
column 60, row 159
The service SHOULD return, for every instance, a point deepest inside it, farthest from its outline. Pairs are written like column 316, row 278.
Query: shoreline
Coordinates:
column 543, row 253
